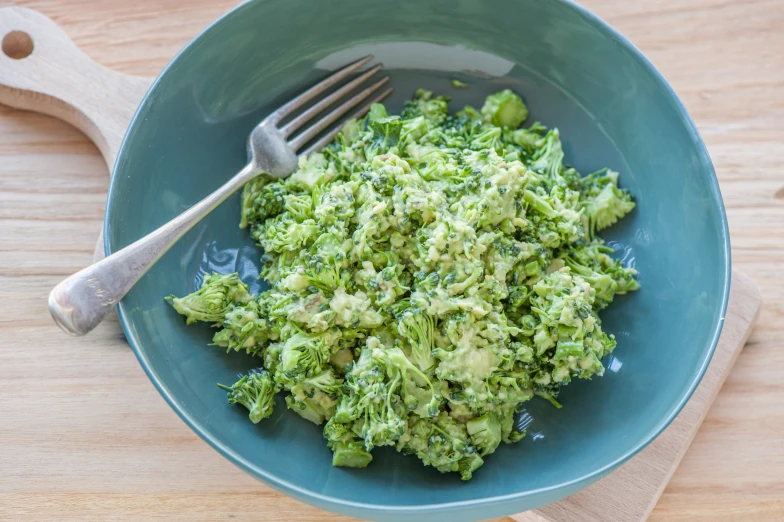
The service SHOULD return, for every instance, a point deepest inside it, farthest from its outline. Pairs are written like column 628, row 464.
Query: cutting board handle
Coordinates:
column 42, row 70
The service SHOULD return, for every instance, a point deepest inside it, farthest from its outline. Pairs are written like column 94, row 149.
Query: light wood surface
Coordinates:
column 83, row 434
column 42, row 70
column 630, row 493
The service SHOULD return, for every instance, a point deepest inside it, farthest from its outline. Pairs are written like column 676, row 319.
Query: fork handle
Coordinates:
column 80, row 302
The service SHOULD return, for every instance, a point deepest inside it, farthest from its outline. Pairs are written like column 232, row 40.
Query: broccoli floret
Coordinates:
column 485, row 432
column 378, row 405
column 314, row 396
column 443, row 443
column 569, row 341
column 325, row 261
column 417, row 327
column 398, row 366
column 347, row 449
column 434, row 109
column 547, row 161
column 256, row 391
column 385, row 130
column 299, row 206
column 303, row 354
column 262, row 199
column 215, row 298
column 505, row 109
column 607, row 276
column 606, row 206
column 282, row 233
column 489, row 138
column 244, row 328
column 528, row 139
column 540, row 204
column 314, row 170
column 313, row 409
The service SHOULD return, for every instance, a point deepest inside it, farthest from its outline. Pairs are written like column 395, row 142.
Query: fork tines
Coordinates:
column 341, row 114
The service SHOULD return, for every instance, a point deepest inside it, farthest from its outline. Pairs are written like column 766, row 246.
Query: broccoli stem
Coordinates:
column 350, row 455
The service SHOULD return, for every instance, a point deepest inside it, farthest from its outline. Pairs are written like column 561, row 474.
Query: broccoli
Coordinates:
column 417, row 327
column 262, row 199
column 485, row 432
column 443, row 443
column 347, row 449
column 604, row 202
column 256, row 391
column 283, row 233
column 435, row 110
column 429, row 273
column 568, row 340
column 505, row 109
column 350, row 455
column 244, row 328
column 215, row 298
column 607, row 276
column 527, row 139
column 371, row 402
column 314, row 409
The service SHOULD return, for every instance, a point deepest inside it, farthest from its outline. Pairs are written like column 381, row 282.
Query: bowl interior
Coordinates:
column 612, row 109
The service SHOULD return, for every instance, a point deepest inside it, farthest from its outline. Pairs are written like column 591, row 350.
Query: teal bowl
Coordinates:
column 576, row 73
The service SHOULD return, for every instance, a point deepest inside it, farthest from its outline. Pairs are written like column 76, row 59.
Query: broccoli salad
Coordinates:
column 429, row 273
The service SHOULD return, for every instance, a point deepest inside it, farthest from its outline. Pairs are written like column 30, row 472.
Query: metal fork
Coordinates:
column 80, row 302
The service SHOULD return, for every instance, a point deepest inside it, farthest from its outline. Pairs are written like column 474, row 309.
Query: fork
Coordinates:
column 80, row 302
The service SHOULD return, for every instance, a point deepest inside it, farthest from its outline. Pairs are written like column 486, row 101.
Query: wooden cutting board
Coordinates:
column 53, row 79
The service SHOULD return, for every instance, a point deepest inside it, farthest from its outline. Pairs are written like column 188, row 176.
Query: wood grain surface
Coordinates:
column 83, row 433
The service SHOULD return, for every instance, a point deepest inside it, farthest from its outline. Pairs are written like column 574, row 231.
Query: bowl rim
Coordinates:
column 296, row 491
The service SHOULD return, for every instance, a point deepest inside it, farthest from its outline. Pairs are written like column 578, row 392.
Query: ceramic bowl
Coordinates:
column 613, row 109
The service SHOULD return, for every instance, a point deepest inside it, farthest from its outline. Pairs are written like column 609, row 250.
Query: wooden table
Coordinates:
column 83, row 433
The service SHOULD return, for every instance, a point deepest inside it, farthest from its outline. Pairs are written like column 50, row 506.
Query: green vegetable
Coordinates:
column 218, row 295
column 350, row 455
column 457, row 84
column 605, row 203
column 485, row 432
column 429, row 273
column 256, row 391
column 505, row 109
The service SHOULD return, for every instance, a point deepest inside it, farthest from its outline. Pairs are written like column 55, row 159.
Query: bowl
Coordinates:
column 576, row 73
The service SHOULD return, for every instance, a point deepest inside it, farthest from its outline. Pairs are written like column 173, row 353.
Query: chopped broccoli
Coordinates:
column 262, row 199
column 429, row 273
column 443, row 443
column 417, row 327
column 607, row 276
column 485, row 432
column 604, row 202
column 350, row 455
column 347, row 449
column 256, row 391
column 243, row 329
column 216, row 298
column 435, row 110
column 505, row 109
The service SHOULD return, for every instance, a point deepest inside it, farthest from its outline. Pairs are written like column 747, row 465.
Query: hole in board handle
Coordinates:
column 17, row 45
